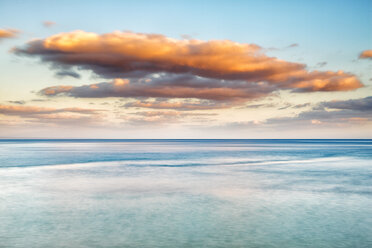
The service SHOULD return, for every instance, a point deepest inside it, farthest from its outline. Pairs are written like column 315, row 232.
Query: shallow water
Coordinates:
column 186, row 193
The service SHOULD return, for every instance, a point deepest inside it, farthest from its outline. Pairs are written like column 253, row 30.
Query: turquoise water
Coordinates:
column 186, row 193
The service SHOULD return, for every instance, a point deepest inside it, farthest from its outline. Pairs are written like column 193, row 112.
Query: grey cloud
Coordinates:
column 362, row 104
column 17, row 102
column 166, row 86
column 67, row 74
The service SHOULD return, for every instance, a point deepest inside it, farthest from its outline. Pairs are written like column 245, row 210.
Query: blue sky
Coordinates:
column 316, row 23
column 325, row 35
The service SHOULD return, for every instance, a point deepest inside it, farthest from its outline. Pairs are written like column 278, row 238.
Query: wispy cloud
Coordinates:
column 21, row 102
column 337, row 113
column 48, row 24
column 160, row 117
column 52, row 115
column 179, row 105
column 32, row 110
column 293, row 45
column 361, row 104
column 321, row 64
column 325, row 115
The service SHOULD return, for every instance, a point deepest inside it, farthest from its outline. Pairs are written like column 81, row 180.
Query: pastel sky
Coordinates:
column 186, row 69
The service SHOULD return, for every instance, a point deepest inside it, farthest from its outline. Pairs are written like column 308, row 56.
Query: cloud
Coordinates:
column 293, row 45
column 32, row 110
column 48, row 24
column 17, row 102
column 276, row 105
column 297, row 106
column 367, row 54
column 337, row 113
column 160, row 117
column 321, row 64
column 67, row 74
column 166, row 86
column 179, row 105
column 207, row 91
column 136, row 55
column 322, row 117
column 285, row 106
column 261, row 105
column 8, row 33
column 41, row 100
column 362, row 104
column 328, row 115
column 52, row 115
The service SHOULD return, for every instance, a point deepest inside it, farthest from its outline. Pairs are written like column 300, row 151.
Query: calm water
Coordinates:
column 186, row 193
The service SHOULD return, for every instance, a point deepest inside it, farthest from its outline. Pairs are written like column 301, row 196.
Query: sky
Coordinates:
column 186, row 69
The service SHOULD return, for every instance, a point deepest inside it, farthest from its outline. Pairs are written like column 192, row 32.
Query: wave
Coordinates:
column 182, row 163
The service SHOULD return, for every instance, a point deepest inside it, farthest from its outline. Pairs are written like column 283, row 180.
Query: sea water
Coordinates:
column 185, row 193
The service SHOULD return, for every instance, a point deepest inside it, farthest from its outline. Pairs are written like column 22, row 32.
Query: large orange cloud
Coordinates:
column 129, row 55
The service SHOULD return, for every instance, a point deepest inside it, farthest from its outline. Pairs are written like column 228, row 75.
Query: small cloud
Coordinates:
column 161, row 117
column 287, row 105
column 293, row 45
column 48, row 24
column 316, row 122
column 8, row 33
column 321, row 64
column 267, row 105
column 186, row 36
column 366, row 54
column 17, row 102
column 62, row 74
column 41, row 100
column 301, row 105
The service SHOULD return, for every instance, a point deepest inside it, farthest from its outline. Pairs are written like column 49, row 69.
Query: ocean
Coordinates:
column 185, row 193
